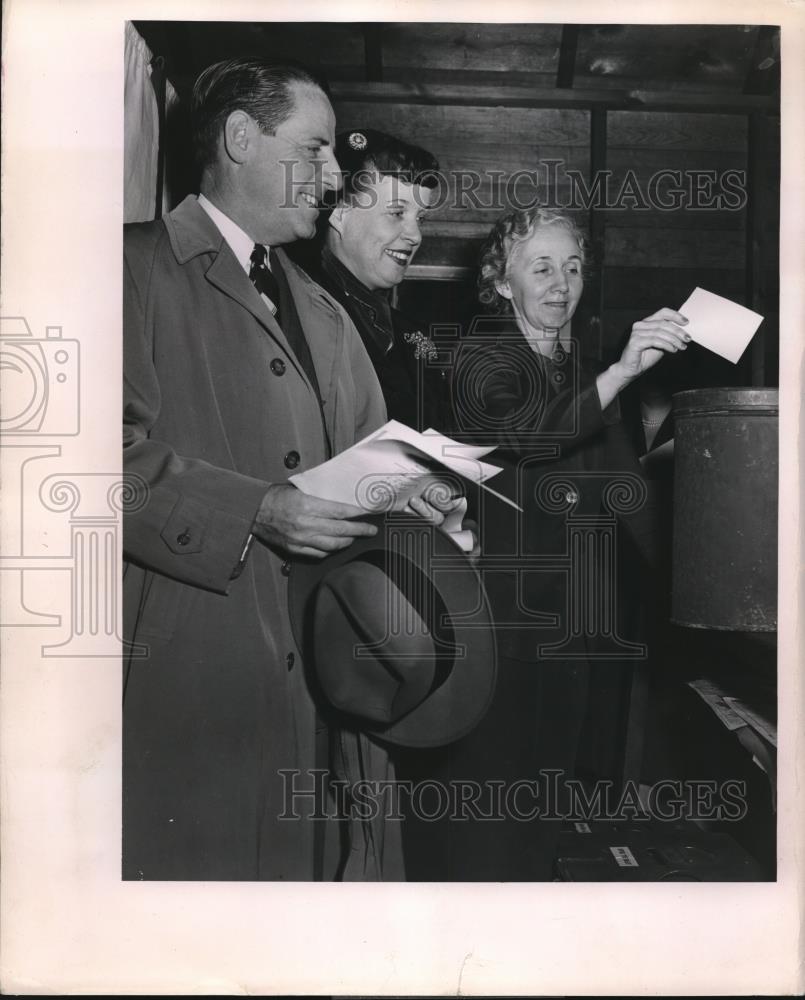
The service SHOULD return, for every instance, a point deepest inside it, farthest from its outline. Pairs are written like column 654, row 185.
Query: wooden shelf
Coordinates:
column 501, row 95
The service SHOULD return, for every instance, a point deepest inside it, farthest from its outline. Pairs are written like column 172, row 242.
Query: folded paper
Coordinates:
column 388, row 468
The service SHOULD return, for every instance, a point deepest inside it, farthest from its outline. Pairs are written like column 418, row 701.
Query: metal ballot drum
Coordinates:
column 725, row 509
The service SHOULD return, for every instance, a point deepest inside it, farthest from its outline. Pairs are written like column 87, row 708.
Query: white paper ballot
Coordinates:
column 385, row 469
column 720, row 325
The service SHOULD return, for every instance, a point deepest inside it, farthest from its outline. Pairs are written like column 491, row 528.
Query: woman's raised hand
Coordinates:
column 662, row 333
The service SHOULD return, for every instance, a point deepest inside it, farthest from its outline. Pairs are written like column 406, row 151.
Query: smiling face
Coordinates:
column 378, row 231
column 544, row 281
column 280, row 179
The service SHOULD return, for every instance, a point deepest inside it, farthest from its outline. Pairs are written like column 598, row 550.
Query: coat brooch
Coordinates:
column 423, row 346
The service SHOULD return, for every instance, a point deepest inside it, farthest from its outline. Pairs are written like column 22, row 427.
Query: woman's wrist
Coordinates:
column 621, row 374
column 611, row 381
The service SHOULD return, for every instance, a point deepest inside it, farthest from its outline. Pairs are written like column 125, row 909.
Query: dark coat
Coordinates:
column 414, row 386
column 216, row 407
column 554, row 442
column 564, row 459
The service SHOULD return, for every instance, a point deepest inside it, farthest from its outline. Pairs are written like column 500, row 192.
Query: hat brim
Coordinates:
column 455, row 707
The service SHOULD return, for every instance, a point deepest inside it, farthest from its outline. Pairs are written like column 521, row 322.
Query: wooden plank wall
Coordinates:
column 500, row 145
column 499, row 99
column 651, row 257
column 654, row 257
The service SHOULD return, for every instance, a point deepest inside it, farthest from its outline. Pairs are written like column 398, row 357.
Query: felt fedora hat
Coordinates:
column 397, row 634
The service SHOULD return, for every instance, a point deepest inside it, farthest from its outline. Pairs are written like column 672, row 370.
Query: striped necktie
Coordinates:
column 263, row 278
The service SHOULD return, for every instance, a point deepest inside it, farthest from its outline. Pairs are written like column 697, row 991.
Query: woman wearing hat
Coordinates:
column 371, row 237
column 523, row 383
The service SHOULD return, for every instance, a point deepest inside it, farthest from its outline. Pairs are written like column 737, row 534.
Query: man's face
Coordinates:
column 379, row 230
column 281, row 184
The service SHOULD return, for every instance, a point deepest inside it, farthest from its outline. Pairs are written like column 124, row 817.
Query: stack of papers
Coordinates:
column 385, row 470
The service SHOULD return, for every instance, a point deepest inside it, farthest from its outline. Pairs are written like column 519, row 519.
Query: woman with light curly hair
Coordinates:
column 523, row 382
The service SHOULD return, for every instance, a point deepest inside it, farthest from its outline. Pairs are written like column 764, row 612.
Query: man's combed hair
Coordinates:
column 260, row 88
column 507, row 234
column 363, row 152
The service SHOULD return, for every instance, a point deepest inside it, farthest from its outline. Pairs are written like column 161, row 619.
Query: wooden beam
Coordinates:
column 756, row 181
column 527, row 97
column 567, row 56
column 598, row 164
column 373, row 49
column 439, row 272
column 463, row 229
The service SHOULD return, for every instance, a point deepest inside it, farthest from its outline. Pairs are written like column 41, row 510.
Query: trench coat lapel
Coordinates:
column 229, row 277
column 323, row 324
column 192, row 233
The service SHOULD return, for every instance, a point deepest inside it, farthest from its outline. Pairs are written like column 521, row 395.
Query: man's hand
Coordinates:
column 435, row 504
column 436, row 510
column 307, row 526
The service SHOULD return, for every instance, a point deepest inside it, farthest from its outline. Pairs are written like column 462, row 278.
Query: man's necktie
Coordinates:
column 274, row 283
column 263, row 279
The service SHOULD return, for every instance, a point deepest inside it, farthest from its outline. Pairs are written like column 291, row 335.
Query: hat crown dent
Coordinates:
column 393, row 649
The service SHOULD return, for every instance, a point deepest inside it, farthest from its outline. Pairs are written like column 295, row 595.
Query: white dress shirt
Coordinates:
column 240, row 244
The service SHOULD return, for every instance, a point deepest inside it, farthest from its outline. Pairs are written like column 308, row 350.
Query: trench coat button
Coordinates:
column 290, row 659
column 277, row 366
column 184, row 538
column 285, row 569
column 292, row 460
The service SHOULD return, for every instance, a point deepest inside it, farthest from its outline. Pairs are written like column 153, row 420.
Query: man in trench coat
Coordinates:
column 221, row 404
